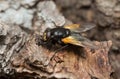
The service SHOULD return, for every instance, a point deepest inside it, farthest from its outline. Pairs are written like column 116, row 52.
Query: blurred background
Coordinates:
column 104, row 13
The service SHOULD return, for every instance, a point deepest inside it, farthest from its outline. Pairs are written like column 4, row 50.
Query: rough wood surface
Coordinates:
column 21, row 57
column 71, row 63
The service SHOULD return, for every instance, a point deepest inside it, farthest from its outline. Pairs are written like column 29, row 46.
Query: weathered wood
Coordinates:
column 68, row 63
column 21, row 57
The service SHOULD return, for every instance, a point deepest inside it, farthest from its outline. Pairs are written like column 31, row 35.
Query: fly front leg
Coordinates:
column 40, row 42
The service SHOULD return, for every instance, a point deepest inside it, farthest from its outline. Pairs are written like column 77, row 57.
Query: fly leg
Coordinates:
column 57, row 51
column 63, row 46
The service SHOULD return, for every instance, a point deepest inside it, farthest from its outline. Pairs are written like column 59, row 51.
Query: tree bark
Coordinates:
column 21, row 57
column 73, row 62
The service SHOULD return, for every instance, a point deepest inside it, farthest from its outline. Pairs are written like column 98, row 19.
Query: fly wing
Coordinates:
column 80, row 28
column 72, row 40
column 78, row 40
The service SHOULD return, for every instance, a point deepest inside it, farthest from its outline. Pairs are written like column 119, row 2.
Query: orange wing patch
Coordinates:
column 71, row 40
column 72, row 26
column 80, row 28
column 85, row 43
